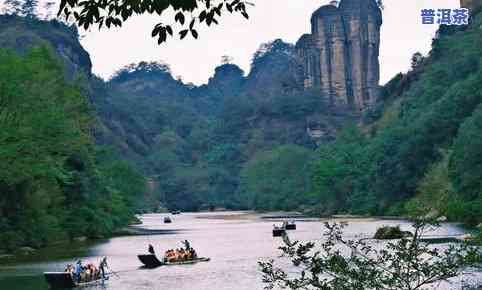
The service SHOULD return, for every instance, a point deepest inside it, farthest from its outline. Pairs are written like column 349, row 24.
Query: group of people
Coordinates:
column 86, row 273
column 179, row 255
column 182, row 254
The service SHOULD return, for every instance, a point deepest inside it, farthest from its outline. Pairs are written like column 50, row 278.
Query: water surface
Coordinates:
column 234, row 247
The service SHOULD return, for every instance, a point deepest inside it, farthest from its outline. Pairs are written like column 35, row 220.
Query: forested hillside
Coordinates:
column 420, row 153
column 55, row 182
column 201, row 143
column 261, row 141
column 76, row 150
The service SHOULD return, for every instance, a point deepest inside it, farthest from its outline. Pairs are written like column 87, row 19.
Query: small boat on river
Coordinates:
column 278, row 231
column 167, row 220
column 291, row 225
column 63, row 280
column 151, row 261
column 78, row 276
column 184, row 256
column 175, row 212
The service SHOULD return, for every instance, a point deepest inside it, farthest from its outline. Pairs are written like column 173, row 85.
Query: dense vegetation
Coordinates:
column 201, row 144
column 424, row 149
column 243, row 142
column 55, row 183
column 228, row 143
column 335, row 262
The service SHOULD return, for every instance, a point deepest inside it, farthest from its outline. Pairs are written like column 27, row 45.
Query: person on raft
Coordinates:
column 87, row 273
column 179, row 255
column 102, row 266
column 151, row 250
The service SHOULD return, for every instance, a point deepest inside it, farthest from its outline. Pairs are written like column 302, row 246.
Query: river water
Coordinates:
column 234, row 246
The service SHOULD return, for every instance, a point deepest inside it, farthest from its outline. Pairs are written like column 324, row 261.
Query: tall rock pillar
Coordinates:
column 329, row 39
column 362, row 21
column 346, row 43
column 309, row 59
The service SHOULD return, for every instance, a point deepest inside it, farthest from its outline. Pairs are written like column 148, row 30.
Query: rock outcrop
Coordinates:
column 20, row 34
column 340, row 56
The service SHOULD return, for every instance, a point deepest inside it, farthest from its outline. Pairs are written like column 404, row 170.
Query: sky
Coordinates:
column 195, row 60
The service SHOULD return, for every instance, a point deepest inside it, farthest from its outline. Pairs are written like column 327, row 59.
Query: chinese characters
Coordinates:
column 445, row 16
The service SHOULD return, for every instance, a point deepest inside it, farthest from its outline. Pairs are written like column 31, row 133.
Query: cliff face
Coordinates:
column 20, row 34
column 340, row 56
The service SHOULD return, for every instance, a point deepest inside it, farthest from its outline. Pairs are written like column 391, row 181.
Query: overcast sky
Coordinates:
column 195, row 60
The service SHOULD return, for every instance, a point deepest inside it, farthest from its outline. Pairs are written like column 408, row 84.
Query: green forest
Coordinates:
column 76, row 151
column 421, row 151
column 56, row 184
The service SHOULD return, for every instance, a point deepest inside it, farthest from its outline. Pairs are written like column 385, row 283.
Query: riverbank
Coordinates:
column 28, row 253
column 280, row 215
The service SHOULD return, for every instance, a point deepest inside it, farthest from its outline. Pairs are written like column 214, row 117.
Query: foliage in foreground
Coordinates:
column 114, row 13
column 341, row 264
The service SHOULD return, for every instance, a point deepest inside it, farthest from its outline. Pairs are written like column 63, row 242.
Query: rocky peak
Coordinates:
column 227, row 75
column 274, row 67
column 340, row 56
column 20, row 34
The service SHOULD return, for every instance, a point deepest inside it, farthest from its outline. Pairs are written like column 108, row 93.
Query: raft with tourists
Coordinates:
column 78, row 276
column 278, row 231
column 289, row 225
column 182, row 256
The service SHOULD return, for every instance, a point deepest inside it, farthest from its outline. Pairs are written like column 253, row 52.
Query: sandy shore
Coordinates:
column 252, row 215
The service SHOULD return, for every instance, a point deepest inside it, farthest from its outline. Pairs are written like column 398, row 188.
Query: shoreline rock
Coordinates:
column 391, row 233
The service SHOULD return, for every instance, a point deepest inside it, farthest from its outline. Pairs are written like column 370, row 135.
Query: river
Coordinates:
column 234, row 246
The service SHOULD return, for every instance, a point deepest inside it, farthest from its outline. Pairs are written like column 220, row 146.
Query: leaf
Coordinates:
column 63, row 3
column 180, row 18
column 169, row 30
column 202, row 16
column 191, row 26
column 162, row 36
column 183, row 33
column 245, row 15
column 229, row 7
column 194, row 33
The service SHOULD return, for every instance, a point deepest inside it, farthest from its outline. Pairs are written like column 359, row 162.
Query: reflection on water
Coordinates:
column 234, row 247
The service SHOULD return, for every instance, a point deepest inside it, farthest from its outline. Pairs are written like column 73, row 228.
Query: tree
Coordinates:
column 226, row 59
column 380, row 4
column 466, row 162
column 29, row 8
column 26, row 8
column 90, row 12
column 341, row 264
column 277, row 179
column 153, row 67
column 416, row 60
column 48, row 9
column 12, row 7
